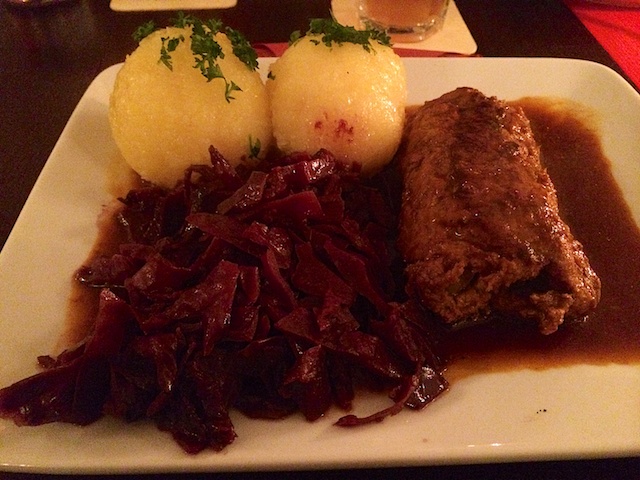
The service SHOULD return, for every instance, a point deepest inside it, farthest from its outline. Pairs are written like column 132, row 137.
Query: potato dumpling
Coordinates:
column 343, row 97
column 164, row 119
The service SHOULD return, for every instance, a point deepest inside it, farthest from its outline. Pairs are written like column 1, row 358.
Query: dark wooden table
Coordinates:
column 49, row 56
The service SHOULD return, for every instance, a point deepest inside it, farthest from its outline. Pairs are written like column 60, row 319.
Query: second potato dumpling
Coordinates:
column 347, row 97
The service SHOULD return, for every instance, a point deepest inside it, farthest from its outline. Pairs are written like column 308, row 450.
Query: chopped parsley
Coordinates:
column 242, row 48
column 205, row 48
column 169, row 45
column 333, row 32
column 144, row 30
column 254, row 147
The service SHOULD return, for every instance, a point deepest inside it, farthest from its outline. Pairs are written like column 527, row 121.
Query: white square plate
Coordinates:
column 590, row 411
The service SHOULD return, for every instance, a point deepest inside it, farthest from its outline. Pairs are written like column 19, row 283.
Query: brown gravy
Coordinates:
column 592, row 204
column 82, row 306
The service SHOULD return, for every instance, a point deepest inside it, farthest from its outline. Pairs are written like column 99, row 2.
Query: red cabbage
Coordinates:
column 270, row 291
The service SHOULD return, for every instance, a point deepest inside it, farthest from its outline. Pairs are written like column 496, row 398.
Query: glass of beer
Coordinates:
column 404, row 20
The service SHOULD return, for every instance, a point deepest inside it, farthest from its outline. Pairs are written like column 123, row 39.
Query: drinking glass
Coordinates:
column 404, row 20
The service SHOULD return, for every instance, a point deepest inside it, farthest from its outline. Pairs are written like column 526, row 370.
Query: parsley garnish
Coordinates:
column 183, row 21
column 242, row 48
column 206, row 50
column 295, row 36
column 254, row 147
column 144, row 30
column 169, row 44
column 333, row 32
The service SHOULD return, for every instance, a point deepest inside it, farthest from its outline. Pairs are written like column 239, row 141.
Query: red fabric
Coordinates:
column 617, row 29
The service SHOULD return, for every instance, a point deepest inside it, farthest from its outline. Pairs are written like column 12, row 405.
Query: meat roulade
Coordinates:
column 480, row 228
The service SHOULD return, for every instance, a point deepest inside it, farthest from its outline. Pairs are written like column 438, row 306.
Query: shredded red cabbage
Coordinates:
column 270, row 292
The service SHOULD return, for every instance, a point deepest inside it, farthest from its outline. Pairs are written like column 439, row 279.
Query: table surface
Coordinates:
column 49, row 56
